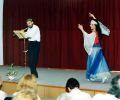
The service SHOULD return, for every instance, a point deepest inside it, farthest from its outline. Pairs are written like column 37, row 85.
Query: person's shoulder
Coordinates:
column 36, row 26
column 86, row 95
column 38, row 97
column 2, row 92
column 2, row 95
column 111, row 96
column 62, row 96
column 80, row 94
column 98, row 97
column 104, row 97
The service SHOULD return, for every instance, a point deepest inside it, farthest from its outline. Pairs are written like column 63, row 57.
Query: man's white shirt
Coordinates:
column 33, row 34
column 75, row 94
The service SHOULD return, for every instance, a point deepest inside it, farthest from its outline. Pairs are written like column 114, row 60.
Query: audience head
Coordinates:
column 115, row 90
column 1, row 82
column 116, row 82
column 27, row 81
column 71, row 84
column 8, row 98
column 2, row 93
column 26, row 94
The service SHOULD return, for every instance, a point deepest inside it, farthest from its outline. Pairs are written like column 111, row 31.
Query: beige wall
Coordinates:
column 1, row 32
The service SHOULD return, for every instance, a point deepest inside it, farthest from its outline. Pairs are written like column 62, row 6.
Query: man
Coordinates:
column 73, row 92
column 33, row 36
column 113, row 93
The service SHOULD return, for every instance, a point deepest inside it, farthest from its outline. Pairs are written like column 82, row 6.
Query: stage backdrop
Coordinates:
column 61, row 41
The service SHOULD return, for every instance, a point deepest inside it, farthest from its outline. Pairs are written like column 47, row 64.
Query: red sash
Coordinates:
column 96, row 39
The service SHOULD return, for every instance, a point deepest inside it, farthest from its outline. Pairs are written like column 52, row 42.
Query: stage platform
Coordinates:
column 52, row 81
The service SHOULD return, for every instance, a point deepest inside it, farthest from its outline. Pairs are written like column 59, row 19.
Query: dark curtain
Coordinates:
column 61, row 41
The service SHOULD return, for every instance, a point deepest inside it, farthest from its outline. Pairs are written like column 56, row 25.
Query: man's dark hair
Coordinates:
column 8, row 98
column 72, row 83
column 29, row 19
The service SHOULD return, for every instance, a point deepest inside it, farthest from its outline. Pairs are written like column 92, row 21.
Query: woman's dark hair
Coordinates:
column 115, row 90
column 72, row 83
column 98, row 29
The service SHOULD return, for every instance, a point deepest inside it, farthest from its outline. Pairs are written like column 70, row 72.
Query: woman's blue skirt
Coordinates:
column 97, row 68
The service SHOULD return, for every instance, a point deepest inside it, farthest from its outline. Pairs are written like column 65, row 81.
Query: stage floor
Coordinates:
column 57, row 77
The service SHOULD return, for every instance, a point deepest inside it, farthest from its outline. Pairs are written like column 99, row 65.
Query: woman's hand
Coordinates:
column 80, row 27
column 91, row 15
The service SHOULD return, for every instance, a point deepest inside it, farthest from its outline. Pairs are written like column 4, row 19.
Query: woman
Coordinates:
column 26, row 94
column 28, row 81
column 97, row 68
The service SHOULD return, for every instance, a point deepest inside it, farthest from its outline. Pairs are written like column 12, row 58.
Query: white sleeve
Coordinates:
column 104, row 29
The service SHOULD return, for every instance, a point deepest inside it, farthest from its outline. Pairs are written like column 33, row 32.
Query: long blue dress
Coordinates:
column 97, row 68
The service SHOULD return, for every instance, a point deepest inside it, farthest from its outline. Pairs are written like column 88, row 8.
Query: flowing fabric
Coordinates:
column 97, row 68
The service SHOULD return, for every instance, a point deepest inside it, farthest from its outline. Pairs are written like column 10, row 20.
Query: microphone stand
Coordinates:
column 25, row 53
column 20, row 36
